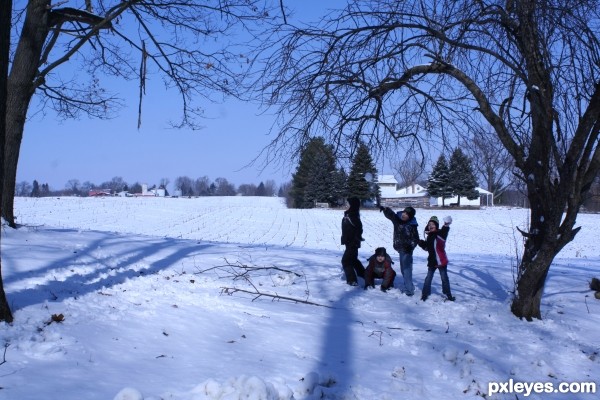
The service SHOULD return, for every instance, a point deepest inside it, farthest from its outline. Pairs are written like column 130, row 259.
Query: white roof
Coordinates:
column 408, row 196
column 387, row 179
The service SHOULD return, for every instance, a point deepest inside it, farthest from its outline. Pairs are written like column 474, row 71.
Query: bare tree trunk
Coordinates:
column 550, row 230
column 5, row 18
column 530, row 287
column 17, row 112
column 21, row 87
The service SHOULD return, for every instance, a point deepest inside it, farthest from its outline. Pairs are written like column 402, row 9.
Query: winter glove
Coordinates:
column 448, row 220
column 381, row 208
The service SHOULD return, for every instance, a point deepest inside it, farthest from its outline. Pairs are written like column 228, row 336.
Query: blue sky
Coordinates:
column 55, row 151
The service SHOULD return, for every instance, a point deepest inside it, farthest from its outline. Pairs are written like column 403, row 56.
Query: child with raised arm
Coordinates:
column 435, row 245
column 406, row 238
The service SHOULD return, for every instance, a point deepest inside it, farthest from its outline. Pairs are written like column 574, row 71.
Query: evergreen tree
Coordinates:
column 45, row 190
column 462, row 177
column 340, row 189
column 438, row 184
column 315, row 175
column 35, row 192
column 319, row 188
column 358, row 185
column 260, row 190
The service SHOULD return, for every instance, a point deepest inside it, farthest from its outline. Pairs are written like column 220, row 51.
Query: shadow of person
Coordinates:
column 336, row 362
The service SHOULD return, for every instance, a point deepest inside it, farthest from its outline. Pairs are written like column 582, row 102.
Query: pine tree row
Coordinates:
column 320, row 179
column 453, row 179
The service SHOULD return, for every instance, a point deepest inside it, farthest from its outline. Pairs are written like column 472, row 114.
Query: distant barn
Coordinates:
column 99, row 192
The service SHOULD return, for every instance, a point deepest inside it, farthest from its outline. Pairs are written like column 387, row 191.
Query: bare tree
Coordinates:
column 5, row 26
column 247, row 189
column 23, row 188
column 164, row 182
column 491, row 161
column 202, row 186
column 116, row 184
column 185, row 185
column 592, row 202
column 124, row 39
column 387, row 72
column 410, row 170
column 224, row 188
column 270, row 187
column 73, row 186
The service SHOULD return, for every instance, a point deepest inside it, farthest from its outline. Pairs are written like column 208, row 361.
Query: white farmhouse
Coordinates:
column 416, row 195
column 392, row 196
column 485, row 199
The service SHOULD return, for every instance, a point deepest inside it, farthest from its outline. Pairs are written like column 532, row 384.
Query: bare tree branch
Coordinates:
column 391, row 74
column 230, row 291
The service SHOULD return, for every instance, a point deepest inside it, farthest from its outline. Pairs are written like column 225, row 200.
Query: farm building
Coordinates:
column 416, row 195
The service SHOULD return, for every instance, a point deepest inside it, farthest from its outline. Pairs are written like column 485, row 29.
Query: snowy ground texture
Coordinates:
column 152, row 298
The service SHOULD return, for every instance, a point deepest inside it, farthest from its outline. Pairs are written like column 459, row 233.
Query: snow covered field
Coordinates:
column 155, row 304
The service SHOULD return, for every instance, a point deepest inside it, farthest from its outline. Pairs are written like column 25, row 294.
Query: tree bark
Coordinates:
column 530, row 287
column 21, row 87
column 5, row 25
column 548, row 233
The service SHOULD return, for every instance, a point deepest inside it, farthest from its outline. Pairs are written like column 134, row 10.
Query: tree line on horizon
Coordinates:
column 183, row 186
column 320, row 179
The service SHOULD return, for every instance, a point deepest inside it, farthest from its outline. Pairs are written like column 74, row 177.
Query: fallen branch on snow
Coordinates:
column 234, row 269
column 414, row 330
column 230, row 291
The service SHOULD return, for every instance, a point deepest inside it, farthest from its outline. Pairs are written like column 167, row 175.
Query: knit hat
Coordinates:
column 380, row 251
column 410, row 211
column 354, row 203
column 435, row 220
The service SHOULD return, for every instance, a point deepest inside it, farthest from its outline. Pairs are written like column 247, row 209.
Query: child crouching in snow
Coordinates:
column 380, row 266
column 435, row 245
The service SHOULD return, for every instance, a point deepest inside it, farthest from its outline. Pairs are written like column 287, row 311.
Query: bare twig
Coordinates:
column 230, row 291
column 4, row 355
column 414, row 330
column 246, row 268
column 380, row 333
column 586, row 304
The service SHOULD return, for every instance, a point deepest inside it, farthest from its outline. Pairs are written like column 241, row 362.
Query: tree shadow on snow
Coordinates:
column 477, row 281
column 102, row 263
column 336, row 365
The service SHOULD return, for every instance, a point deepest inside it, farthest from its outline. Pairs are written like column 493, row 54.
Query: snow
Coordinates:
column 158, row 301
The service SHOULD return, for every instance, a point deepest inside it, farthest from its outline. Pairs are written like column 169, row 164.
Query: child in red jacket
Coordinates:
column 380, row 266
column 435, row 245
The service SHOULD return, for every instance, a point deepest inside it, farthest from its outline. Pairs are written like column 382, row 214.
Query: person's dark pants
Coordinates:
column 445, row 281
column 352, row 265
column 388, row 277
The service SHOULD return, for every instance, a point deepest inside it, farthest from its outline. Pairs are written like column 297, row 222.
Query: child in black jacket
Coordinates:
column 352, row 230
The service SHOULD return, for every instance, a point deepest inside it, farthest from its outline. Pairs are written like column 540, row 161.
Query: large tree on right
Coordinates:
column 386, row 72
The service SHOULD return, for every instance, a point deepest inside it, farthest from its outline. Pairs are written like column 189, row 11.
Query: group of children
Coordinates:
column 406, row 239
